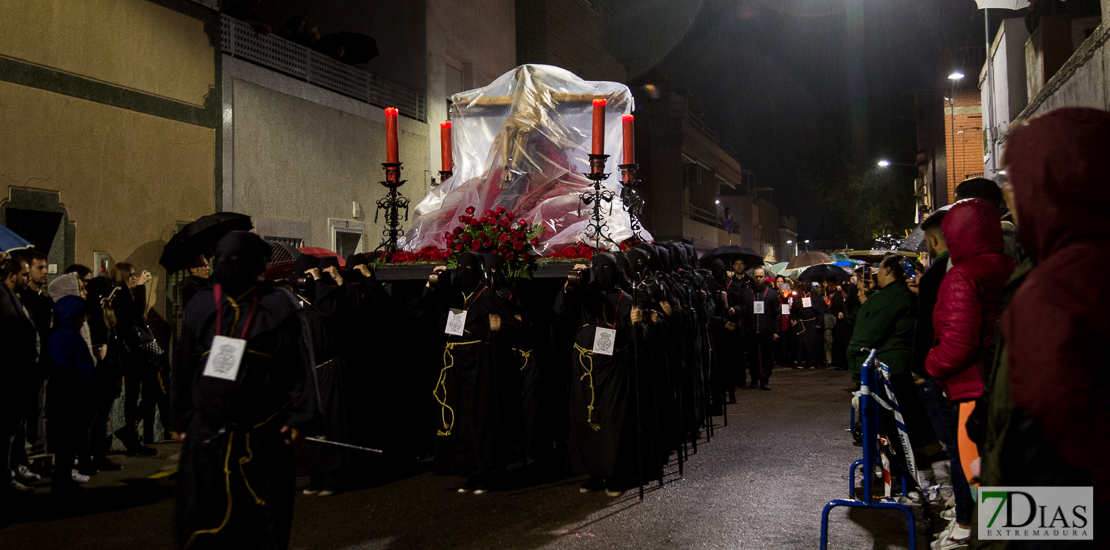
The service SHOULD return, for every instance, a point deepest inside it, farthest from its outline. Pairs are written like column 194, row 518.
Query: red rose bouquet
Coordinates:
column 495, row 232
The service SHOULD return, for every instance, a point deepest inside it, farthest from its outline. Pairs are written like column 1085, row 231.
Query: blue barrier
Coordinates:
column 869, row 416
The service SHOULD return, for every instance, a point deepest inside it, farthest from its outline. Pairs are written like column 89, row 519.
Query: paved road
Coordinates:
column 760, row 483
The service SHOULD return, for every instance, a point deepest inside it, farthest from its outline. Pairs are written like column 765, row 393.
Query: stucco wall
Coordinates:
column 299, row 162
column 134, row 44
column 125, row 178
column 453, row 32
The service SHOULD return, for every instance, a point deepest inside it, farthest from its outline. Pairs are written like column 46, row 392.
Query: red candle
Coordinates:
column 629, row 139
column 391, row 135
column 445, row 146
column 599, row 127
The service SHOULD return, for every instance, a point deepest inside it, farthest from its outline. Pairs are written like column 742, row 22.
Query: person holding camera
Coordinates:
column 602, row 436
column 478, row 388
column 142, row 357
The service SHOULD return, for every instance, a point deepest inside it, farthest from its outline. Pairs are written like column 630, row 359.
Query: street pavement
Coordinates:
column 761, row 482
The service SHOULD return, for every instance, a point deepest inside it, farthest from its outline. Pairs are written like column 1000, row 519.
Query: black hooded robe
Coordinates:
column 236, row 474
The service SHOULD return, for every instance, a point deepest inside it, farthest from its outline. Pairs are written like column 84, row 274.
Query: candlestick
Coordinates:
column 633, row 202
column 391, row 205
column 629, row 139
column 597, row 227
column 599, row 127
column 445, row 146
column 391, row 156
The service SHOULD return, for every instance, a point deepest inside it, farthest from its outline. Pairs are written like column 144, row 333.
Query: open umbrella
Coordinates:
column 322, row 253
column 824, row 271
column 915, row 241
column 280, row 265
column 730, row 253
column 9, row 240
column 807, row 259
column 200, row 237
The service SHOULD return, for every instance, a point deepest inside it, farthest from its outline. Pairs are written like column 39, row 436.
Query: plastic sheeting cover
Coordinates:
column 523, row 143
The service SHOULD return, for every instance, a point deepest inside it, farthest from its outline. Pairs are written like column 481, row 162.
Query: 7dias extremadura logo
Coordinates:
column 1036, row 513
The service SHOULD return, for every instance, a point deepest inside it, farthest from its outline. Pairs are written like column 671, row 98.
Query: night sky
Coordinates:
column 793, row 83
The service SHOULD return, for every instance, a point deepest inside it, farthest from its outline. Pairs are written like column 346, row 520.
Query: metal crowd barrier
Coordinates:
column 869, row 416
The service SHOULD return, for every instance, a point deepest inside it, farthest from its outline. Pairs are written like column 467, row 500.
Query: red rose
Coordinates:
column 465, row 237
column 469, row 209
column 504, row 223
column 489, row 243
column 502, row 249
column 474, row 245
column 500, row 209
column 510, row 256
column 457, row 230
column 536, row 241
column 481, row 235
column 518, row 246
column 489, row 213
column 509, row 215
column 525, row 256
column 503, row 238
column 522, row 224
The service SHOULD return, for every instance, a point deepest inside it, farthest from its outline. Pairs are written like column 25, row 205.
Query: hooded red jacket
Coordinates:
column 969, row 302
column 1057, row 341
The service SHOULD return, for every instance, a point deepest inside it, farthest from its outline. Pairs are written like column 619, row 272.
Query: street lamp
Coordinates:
column 884, row 163
column 953, row 81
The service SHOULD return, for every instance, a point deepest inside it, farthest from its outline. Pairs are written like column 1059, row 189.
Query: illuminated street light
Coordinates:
column 807, row 241
column 956, row 76
column 884, row 163
column 789, row 242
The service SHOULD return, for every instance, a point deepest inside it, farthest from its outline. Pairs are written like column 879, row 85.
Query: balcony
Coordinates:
column 239, row 40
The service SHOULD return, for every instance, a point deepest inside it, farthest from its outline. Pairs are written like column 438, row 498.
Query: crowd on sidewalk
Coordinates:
column 993, row 358
column 71, row 347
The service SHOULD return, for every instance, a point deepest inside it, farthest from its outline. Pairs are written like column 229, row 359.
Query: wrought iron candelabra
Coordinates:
column 633, row 202
column 597, row 229
column 391, row 204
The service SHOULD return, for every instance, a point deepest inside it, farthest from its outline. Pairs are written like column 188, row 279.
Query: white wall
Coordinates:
column 297, row 155
column 478, row 36
column 1009, row 97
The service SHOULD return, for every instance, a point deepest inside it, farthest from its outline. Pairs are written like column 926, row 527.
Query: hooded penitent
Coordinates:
column 1055, row 336
column 607, row 272
column 639, row 260
column 239, row 261
column 720, row 273
column 470, row 272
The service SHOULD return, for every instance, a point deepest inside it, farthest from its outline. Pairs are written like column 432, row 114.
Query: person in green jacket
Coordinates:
column 885, row 322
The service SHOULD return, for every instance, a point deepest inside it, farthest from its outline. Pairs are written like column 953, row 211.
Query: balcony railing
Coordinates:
column 239, row 40
column 701, row 215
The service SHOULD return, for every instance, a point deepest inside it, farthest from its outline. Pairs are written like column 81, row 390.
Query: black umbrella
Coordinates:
column 200, row 237
column 357, row 48
column 730, row 253
column 824, row 271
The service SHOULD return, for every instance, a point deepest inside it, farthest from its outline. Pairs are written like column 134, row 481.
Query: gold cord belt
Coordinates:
column 444, row 408
column 227, row 480
column 526, row 354
column 584, row 353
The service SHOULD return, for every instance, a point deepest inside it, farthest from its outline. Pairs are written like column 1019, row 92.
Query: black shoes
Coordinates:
column 592, row 485
column 130, row 440
column 765, row 387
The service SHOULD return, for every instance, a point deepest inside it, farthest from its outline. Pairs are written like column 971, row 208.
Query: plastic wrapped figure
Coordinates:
column 522, row 143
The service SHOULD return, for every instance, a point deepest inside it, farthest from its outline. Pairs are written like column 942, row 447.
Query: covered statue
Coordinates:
column 523, row 143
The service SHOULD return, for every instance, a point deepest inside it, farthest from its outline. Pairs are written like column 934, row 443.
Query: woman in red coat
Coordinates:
column 965, row 319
